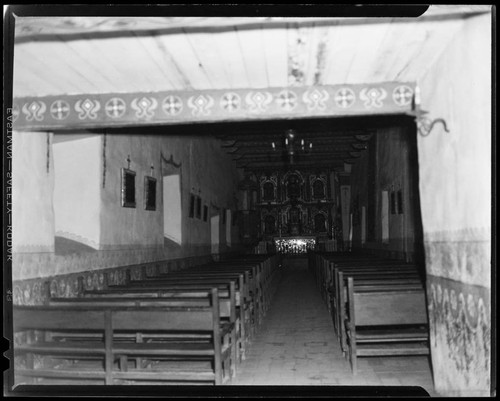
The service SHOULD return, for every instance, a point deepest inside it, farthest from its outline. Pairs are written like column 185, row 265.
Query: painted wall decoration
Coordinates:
column 36, row 291
column 86, row 111
column 87, row 108
column 35, row 110
column 316, row 99
column 373, row 97
column 460, row 336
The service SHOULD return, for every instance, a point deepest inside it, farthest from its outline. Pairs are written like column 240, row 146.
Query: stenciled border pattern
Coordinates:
column 460, row 335
column 94, row 110
column 34, row 291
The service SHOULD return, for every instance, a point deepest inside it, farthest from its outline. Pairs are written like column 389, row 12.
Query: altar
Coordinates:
column 295, row 245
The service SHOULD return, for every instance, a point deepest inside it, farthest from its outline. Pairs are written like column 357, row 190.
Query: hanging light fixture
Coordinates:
column 292, row 147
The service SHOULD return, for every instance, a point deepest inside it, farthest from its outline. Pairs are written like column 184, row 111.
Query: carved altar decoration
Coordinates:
column 318, row 185
column 268, row 188
column 294, row 220
column 248, row 216
column 269, row 221
column 293, row 186
column 320, row 217
column 295, row 204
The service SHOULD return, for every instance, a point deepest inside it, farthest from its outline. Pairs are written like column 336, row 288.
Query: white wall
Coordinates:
column 456, row 200
column 32, row 192
column 78, row 182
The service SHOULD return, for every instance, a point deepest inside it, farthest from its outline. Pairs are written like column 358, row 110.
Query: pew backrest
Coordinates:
column 380, row 308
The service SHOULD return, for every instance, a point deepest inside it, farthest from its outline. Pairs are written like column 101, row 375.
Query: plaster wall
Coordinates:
column 122, row 236
column 127, row 227
column 204, row 171
column 392, row 173
column 455, row 192
column 77, row 175
column 32, row 193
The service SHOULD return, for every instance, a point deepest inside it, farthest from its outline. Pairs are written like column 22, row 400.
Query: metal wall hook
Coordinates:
column 425, row 125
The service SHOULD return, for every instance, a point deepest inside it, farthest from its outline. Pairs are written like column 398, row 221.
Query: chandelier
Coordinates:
column 292, row 146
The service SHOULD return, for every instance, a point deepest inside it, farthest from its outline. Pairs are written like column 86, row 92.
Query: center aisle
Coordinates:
column 296, row 344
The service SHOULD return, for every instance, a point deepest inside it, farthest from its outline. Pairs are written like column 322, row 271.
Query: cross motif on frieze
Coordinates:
column 344, row 97
column 59, row 109
column 402, row 95
column 115, row 107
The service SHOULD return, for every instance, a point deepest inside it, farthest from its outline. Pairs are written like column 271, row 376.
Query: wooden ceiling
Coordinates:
column 88, row 55
column 334, row 142
column 99, row 55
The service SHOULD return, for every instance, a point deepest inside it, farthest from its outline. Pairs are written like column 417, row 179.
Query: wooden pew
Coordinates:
column 374, row 280
column 184, row 289
column 243, row 295
column 97, row 360
column 258, row 275
column 382, row 269
column 257, row 295
column 391, row 322
column 255, row 276
column 227, row 311
column 322, row 268
column 326, row 280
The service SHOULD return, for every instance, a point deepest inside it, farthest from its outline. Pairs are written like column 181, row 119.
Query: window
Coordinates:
column 385, row 217
column 192, row 200
column 400, row 202
column 128, row 188
column 393, row 202
column 228, row 227
column 150, row 193
column 172, row 210
column 198, row 207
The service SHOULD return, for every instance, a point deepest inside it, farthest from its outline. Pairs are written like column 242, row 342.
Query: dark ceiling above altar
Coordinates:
column 335, row 141
column 328, row 143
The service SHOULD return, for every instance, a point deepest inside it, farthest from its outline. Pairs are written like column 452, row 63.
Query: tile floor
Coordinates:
column 296, row 345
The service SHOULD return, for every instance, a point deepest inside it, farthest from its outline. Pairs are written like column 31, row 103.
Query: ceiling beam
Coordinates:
column 107, row 110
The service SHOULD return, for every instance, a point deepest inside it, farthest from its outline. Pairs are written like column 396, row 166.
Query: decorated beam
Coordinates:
column 163, row 108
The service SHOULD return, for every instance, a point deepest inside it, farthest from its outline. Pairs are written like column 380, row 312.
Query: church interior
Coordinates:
column 251, row 201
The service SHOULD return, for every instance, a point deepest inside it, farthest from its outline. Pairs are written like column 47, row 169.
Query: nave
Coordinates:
column 296, row 345
column 144, row 153
column 267, row 326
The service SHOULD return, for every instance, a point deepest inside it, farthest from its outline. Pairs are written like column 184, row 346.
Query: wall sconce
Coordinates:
column 424, row 123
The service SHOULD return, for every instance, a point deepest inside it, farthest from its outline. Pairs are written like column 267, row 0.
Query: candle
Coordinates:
column 417, row 96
